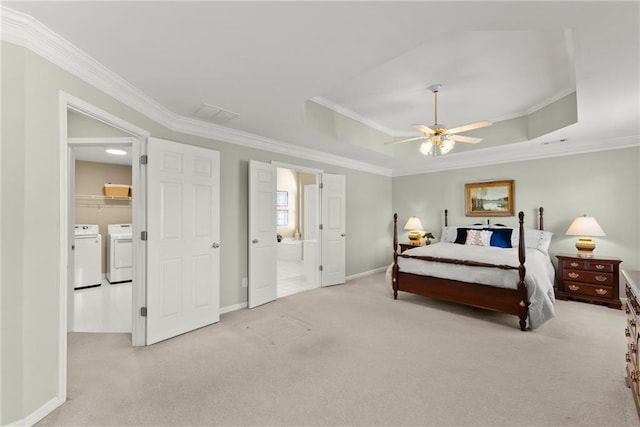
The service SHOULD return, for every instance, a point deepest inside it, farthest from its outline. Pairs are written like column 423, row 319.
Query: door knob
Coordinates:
column 215, row 245
column 254, row 241
column 343, row 234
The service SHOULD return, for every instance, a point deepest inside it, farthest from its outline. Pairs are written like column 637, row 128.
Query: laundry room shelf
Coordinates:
column 98, row 200
column 100, row 197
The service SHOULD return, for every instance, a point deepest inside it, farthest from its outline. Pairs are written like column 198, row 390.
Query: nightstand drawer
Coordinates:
column 605, row 267
column 586, row 289
column 588, row 276
column 574, row 264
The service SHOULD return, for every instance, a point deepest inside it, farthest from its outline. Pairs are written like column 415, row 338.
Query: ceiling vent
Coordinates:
column 214, row 114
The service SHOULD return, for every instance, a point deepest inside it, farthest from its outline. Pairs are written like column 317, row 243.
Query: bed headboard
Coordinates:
column 540, row 218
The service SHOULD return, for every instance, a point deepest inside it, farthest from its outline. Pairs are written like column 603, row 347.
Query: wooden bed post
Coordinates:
column 395, row 268
column 541, row 218
column 446, row 218
column 522, row 287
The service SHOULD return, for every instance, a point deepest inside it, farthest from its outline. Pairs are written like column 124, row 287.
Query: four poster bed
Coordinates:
column 470, row 269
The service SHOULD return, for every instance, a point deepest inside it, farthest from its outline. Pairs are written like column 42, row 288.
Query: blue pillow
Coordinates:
column 501, row 237
column 461, row 237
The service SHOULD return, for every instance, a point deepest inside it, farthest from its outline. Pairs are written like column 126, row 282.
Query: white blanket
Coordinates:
column 539, row 272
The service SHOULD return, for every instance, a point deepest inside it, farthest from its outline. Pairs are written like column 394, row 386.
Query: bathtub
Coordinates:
column 289, row 249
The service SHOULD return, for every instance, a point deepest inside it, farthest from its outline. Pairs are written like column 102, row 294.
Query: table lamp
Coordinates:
column 414, row 224
column 585, row 227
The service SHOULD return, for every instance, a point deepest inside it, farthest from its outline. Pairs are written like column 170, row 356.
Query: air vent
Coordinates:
column 214, row 114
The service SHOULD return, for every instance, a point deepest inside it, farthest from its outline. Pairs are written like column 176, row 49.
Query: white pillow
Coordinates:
column 533, row 239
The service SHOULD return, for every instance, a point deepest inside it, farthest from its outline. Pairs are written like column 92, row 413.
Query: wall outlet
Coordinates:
column 244, row 282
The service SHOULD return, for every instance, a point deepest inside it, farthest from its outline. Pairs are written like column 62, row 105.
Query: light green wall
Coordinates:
column 30, row 178
column 604, row 185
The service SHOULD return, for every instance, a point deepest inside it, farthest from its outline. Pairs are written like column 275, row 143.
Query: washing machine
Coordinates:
column 87, row 256
column 119, row 253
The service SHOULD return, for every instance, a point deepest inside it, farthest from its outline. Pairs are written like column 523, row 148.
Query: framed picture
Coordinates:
column 282, row 199
column 495, row 198
column 282, row 217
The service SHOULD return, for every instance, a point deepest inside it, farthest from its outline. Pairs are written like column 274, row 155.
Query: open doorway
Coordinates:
column 297, row 216
column 103, row 224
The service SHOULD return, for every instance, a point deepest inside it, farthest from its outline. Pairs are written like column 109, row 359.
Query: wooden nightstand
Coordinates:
column 405, row 246
column 595, row 280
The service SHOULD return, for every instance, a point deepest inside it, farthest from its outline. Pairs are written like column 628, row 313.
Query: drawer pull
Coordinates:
column 632, row 322
column 627, row 332
column 574, row 264
column 601, row 278
column 635, row 376
column 600, row 267
column 601, row 291
column 574, row 287
column 627, row 357
column 573, row 275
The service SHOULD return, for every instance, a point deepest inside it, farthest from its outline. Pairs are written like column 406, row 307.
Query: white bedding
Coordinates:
column 539, row 272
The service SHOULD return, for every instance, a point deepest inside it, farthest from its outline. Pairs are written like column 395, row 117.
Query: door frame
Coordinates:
column 66, row 208
column 319, row 174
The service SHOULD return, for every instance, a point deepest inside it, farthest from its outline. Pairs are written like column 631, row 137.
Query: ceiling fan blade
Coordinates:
column 424, row 129
column 470, row 126
column 404, row 140
column 462, row 138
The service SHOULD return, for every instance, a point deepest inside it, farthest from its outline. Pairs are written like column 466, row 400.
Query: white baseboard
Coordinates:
column 38, row 414
column 234, row 307
column 366, row 273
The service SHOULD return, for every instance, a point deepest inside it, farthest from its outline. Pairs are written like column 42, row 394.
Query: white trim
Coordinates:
column 63, row 250
column 230, row 308
column 355, row 116
column 38, row 414
column 366, row 273
column 23, row 30
column 522, row 151
column 296, row 167
column 122, row 140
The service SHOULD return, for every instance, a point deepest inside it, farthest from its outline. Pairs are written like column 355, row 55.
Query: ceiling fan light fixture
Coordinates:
column 437, row 145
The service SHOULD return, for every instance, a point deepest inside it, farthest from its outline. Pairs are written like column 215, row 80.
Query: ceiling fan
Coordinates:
column 439, row 139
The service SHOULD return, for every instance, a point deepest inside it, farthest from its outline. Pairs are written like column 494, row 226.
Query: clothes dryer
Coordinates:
column 119, row 253
column 87, row 256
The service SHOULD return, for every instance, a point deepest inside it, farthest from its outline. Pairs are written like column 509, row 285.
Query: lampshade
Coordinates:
column 585, row 227
column 413, row 224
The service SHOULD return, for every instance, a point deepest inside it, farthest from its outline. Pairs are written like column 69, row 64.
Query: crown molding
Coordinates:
column 23, row 30
column 518, row 152
column 354, row 116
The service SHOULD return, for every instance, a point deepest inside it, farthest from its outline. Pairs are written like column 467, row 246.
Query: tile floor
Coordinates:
column 107, row 308
column 290, row 278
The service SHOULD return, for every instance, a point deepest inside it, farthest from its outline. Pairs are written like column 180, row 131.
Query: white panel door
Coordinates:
column 183, row 262
column 333, row 229
column 262, row 234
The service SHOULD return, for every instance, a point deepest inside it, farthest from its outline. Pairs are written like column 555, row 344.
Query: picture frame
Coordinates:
column 282, row 199
column 493, row 198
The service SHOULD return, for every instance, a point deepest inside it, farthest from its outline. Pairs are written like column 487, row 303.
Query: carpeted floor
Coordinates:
column 351, row 355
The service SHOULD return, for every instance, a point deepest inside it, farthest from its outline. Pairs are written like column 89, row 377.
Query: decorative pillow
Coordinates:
column 461, row 235
column 501, row 237
column 478, row 237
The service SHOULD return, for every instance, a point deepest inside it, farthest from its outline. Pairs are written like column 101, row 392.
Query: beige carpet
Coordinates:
column 351, row 355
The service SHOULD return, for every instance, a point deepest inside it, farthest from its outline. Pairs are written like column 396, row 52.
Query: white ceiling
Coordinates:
column 373, row 60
